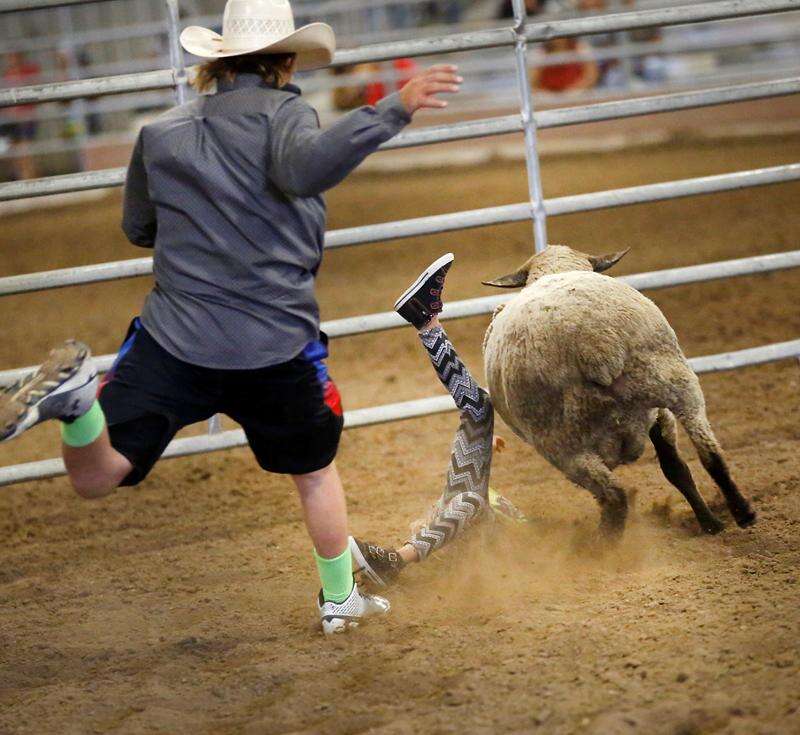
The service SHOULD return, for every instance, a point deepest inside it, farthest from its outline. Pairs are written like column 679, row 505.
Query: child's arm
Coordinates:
column 305, row 160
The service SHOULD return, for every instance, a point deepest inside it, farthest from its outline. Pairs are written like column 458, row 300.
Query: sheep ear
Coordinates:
column 512, row 280
column 602, row 263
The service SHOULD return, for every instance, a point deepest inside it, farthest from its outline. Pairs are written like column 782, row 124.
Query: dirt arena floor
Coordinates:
column 186, row 605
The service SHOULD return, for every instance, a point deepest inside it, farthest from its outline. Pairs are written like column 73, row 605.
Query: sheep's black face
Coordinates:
column 556, row 259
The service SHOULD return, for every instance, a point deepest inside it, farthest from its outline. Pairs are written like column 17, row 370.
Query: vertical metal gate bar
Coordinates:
column 179, row 73
column 622, row 40
column 529, row 124
column 78, row 120
column 175, row 50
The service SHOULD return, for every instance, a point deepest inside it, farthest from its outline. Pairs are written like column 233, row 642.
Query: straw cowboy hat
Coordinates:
column 262, row 27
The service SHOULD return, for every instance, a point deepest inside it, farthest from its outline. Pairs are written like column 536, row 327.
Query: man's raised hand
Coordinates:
column 423, row 90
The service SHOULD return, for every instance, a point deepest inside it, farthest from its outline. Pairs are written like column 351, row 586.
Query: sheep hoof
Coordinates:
column 611, row 531
column 746, row 517
column 713, row 526
column 592, row 544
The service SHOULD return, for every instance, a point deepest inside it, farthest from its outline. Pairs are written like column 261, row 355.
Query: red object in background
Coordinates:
column 18, row 73
column 404, row 69
column 560, row 77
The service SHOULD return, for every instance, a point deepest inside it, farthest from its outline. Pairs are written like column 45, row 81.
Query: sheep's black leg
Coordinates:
column 695, row 422
column 740, row 508
column 678, row 473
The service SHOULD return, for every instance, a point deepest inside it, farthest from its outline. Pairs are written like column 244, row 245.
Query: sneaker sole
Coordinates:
column 363, row 565
column 504, row 508
column 427, row 273
column 347, row 623
column 16, row 409
column 350, row 622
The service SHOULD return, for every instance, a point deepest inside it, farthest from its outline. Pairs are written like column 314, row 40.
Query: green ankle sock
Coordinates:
column 84, row 429
column 336, row 575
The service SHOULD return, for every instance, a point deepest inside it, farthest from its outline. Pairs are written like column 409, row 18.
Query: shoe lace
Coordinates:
column 383, row 555
column 32, row 395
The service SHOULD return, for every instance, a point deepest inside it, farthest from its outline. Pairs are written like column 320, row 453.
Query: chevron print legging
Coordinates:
column 466, row 494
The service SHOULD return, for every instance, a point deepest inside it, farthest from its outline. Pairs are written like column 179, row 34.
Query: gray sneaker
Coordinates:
column 64, row 387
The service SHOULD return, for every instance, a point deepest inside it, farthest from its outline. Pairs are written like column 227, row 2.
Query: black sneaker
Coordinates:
column 381, row 566
column 423, row 299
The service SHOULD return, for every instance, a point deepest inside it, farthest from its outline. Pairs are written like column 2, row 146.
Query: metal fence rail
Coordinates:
column 467, row 130
column 722, row 38
column 568, row 28
column 366, row 323
column 772, row 31
column 48, row 468
column 439, row 223
column 62, row 91
column 57, row 91
column 15, row 6
column 537, row 208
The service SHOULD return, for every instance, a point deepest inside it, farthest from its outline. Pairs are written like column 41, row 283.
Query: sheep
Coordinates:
column 584, row 368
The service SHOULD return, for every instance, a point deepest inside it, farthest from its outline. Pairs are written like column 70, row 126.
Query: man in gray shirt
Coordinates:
column 230, row 187
column 227, row 189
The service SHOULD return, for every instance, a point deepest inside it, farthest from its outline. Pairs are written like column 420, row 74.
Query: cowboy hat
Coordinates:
column 262, row 27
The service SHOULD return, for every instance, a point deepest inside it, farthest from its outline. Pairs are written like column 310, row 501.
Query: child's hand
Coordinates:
column 421, row 90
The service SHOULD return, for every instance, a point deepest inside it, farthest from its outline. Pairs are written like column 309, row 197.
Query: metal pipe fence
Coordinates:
column 16, row 6
column 568, row 28
column 180, row 79
column 653, row 280
column 467, row 130
column 439, row 223
column 528, row 122
column 468, row 103
column 48, row 468
column 300, row 9
column 488, row 68
column 537, row 208
column 488, row 64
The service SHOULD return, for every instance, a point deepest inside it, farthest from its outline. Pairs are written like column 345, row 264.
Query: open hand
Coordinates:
column 422, row 90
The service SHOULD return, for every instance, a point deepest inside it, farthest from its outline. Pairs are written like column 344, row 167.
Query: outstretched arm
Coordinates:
column 306, row 160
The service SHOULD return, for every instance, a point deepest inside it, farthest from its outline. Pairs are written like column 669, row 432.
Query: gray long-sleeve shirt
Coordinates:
column 228, row 190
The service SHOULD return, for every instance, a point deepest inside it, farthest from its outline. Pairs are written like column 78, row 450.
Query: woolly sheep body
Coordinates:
column 577, row 361
column 585, row 368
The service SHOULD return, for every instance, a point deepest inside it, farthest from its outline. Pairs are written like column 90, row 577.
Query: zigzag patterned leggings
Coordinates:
column 466, row 493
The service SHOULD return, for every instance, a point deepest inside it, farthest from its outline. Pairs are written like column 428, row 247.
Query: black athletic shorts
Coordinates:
column 291, row 413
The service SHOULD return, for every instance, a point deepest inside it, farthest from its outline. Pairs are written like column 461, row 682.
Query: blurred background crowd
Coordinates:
column 122, row 36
